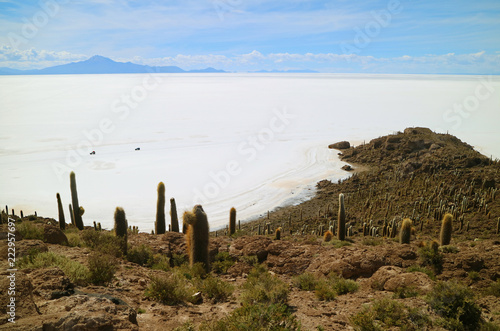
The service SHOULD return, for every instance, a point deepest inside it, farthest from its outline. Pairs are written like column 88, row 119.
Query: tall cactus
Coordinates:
column 71, row 215
column 341, row 216
column 160, row 210
column 446, row 229
column 232, row 221
column 74, row 200
column 405, row 232
column 62, row 221
column 174, row 221
column 121, row 227
column 197, row 236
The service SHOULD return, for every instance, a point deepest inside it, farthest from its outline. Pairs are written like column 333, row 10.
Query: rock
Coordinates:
column 50, row 283
column 340, row 145
column 434, row 147
column 287, row 258
column 23, row 294
column 24, row 247
column 469, row 262
column 393, row 140
column 83, row 312
column 348, row 262
column 347, row 168
column 255, row 245
column 417, row 130
column 54, row 235
column 390, row 278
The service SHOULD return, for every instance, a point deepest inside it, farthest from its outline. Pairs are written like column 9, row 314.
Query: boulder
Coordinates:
column 50, row 283
column 24, row 247
column 347, row 168
column 340, row 145
column 85, row 312
column 54, row 235
column 391, row 278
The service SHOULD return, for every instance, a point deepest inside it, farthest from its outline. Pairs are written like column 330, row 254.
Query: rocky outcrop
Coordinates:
column 54, row 235
column 390, row 278
column 340, row 145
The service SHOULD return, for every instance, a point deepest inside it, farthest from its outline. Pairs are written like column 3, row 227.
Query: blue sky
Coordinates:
column 393, row 36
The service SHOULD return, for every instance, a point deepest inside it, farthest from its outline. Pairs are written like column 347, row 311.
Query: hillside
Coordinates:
column 369, row 281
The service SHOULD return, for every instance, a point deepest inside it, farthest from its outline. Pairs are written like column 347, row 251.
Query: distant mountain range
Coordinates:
column 291, row 71
column 102, row 65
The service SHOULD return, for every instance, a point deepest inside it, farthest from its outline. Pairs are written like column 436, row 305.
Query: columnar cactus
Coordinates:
column 446, row 229
column 197, row 236
column 174, row 221
column 278, row 234
column 160, row 210
column 232, row 221
column 341, row 216
column 71, row 215
column 405, row 232
column 121, row 227
column 328, row 236
column 62, row 221
column 74, row 200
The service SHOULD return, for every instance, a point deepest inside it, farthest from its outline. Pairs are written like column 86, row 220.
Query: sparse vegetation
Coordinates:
column 305, row 282
column 30, row 230
column 455, row 304
column 215, row 289
column 262, row 287
column 386, row 313
column 170, row 289
column 332, row 286
column 431, row 256
column 141, row 255
column 75, row 271
column 102, row 268
column 223, row 261
column 259, row 317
